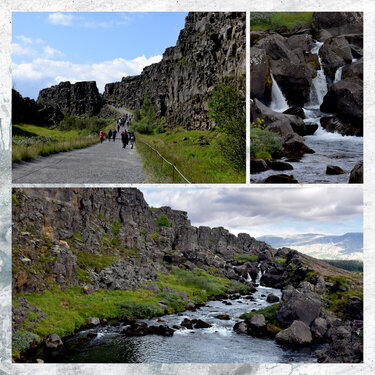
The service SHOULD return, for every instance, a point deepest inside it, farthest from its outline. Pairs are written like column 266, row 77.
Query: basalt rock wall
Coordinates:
column 58, row 232
column 75, row 99
column 211, row 46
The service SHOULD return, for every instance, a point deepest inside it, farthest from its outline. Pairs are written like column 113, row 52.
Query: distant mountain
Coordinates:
column 346, row 246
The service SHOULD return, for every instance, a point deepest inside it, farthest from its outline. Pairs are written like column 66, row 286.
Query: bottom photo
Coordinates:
column 187, row 275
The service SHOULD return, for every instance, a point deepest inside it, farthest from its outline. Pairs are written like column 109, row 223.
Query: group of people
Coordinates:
column 123, row 126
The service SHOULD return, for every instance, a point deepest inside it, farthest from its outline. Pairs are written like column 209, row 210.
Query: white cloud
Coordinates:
column 18, row 50
column 60, row 19
column 24, row 39
column 50, row 53
column 31, row 77
column 255, row 207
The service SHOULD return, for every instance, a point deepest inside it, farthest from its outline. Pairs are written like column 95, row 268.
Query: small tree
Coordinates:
column 228, row 110
column 163, row 221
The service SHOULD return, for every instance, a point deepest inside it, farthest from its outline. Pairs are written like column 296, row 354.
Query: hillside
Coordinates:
column 80, row 254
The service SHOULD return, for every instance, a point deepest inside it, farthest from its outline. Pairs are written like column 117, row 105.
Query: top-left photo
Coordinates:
column 117, row 98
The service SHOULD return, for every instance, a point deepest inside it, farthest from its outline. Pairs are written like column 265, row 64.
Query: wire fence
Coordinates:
column 163, row 159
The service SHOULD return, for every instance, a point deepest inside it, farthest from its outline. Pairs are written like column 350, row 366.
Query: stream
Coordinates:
column 330, row 148
column 217, row 344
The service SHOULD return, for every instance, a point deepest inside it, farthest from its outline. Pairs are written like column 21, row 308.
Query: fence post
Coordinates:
column 172, row 172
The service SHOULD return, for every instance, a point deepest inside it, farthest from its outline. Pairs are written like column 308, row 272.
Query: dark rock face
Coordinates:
column 53, row 346
column 334, row 124
column 57, row 216
column 298, row 304
column 76, row 99
column 211, row 46
column 261, row 83
column 356, row 175
column 26, row 110
column 346, row 99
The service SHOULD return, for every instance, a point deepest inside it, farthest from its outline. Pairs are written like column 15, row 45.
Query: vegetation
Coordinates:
column 196, row 154
column 163, row 221
column 275, row 20
column 145, row 117
column 264, row 144
column 245, row 257
column 68, row 309
column 228, row 110
column 349, row 265
column 269, row 314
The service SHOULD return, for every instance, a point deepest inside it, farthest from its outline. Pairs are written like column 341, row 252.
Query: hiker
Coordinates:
column 131, row 138
column 114, row 135
column 124, row 138
column 101, row 136
column 109, row 135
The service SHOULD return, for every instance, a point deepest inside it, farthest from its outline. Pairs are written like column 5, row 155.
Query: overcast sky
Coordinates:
column 261, row 211
column 48, row 48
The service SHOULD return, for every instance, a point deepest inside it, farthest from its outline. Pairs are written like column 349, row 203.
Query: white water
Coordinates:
column 319, row 86
column 338, row 75
column 330, row 148
column 278, row 103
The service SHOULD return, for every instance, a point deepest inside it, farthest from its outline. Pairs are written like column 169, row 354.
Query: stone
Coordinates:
column 222, row 317
column 258, row 165
column 279, row 165
column 92, row 322
column 258, row 320
column 53, row 346
column 198, row 323
column 296, row 111
column 334, row 170
column 187, row 323
column 356, row 174
column 280, row 179
column 240, row 327
column 297, row 334
column 271, row 298
column 319, row 328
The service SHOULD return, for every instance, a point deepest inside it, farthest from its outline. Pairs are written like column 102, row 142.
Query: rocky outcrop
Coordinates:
column 356, row 174
column 75, row 99
column 210, row 46
column 63, row 229
column 28, row 111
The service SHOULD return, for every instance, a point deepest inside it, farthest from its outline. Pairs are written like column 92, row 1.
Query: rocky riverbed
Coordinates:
column 307, row 87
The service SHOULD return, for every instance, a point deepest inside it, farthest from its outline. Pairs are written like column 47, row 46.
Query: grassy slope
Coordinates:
column 272, row 21
column 69, row 309
column 31, row 141
column 199, row 164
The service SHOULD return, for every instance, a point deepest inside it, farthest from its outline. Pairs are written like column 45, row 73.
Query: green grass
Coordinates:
column 279, row 260
column 67, row 310
column 43, row 141
column 262, row 21
column 245, row 257
column 199, row 164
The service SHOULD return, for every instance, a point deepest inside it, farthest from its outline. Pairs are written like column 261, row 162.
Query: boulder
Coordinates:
column 334, row 170
column 334, row 124
column 53, row 345
column 280, row 179
column 258, row 165
column 298, row 304
column 337, row 23
column 187, row 323
column 271, row 298
column 279, row 165
column 198, row 323
column 297, row 334
column 354, row 70
column 161, row 330
column 319, row 328
column 296, row 111
column 311, row 128
column 356, row 174
column 261, row 83
column 137, row 329
column 240, row 327
column 222, row 317
column 92, row 322
column 345, row 98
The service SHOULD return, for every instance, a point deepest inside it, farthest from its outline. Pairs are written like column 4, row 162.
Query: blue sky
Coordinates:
column 261, row 211
column 50, row 47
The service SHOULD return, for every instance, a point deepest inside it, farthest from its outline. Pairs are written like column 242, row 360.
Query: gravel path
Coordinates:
column 101, row 163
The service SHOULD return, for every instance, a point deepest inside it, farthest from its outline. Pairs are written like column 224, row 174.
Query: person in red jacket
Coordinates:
column 101, row 136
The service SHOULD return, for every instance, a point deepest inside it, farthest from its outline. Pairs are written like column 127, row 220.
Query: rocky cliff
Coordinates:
column 75, row 99
column 26, row 110
column 211, row 46
column 111, row 240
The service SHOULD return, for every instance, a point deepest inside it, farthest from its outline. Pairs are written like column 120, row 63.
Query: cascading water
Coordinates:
column 338, row 75
column 319, row 84
column 278, row 103
column 330, row 148
column 257, row 281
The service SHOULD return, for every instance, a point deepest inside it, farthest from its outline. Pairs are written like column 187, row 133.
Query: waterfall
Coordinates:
column 278, row 102
column 259, row 275
column 338, row 75
column 319, row 84
column 249, row 279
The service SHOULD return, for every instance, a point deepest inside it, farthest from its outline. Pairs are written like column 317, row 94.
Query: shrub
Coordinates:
column 268, row 312
column 264, row 143
column 22, row 339
column 228, row 110
column 163, row 221
column 246, row 257
column 140, row 310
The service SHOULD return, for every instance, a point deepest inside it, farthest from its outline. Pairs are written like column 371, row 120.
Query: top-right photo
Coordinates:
column 306, row 83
